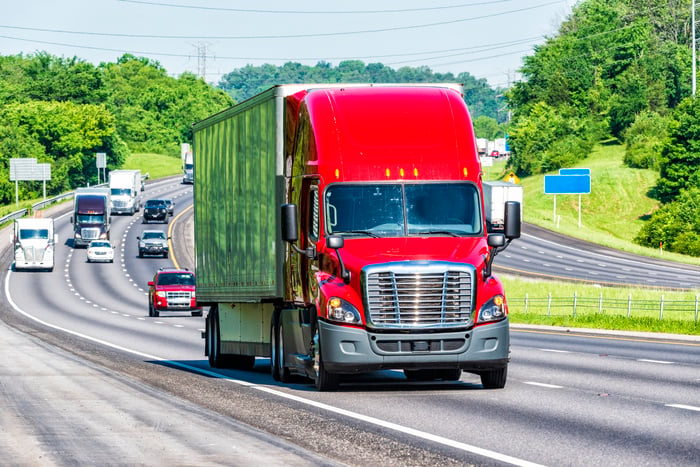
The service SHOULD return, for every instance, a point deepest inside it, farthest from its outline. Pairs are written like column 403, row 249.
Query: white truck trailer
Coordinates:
column 125, row 190
column 34, row 243
column 495, row 196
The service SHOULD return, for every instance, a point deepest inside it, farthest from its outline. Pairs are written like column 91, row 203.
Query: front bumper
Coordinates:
column 352, row 350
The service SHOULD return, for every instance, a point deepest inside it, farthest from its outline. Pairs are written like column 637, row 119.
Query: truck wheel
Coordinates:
column 140, row 254
column 278, row 367
column 494, row 379
column 325, row 381
column 150, row 309
column 212, row 331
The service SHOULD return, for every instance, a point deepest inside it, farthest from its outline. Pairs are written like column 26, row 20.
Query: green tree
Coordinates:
column 644, row 140
column 680, row 163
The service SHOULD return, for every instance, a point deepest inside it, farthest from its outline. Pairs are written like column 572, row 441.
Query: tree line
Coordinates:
column 63, row 111
column 618, row 70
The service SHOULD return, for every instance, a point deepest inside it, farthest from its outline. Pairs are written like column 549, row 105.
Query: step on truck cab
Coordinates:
column 35, row 242
column 339, row 229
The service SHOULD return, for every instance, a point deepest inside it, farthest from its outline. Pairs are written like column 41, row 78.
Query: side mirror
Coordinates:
column 138, row 238
column 150, row 283
column 55, row 239
column 335, row 241
column 512, row 223
column 71, row 219
column 496, row 240
column 290, row 225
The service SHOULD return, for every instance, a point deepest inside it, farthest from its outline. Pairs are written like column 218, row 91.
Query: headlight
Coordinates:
column 142, row 245
column 493, row 310
column 160, row 294
column 342, row 311
column 103, row 236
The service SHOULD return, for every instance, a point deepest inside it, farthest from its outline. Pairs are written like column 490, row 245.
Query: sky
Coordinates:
column 485, row 38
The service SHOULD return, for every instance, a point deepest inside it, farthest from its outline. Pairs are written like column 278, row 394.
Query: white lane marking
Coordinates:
column 686, row 407
column 543, row 385
column 357, row 416
column 663, row 362
column 555, row 351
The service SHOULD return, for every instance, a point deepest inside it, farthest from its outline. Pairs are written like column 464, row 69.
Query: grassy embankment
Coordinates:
column 611, row 215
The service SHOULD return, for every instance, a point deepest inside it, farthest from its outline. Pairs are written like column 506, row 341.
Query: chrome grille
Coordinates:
column 33, row 255
column 90, row 233
column 419, row 295
column 119, row 203
column 177, row 294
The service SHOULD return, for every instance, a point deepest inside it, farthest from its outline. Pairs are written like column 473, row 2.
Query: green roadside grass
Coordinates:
column 155, row 165
column 589, row 306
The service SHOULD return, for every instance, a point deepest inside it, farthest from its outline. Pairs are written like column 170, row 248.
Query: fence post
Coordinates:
column 629, row 305
column 549, row 304
column 600, row 303
column 526, row 301
column 661, row 308
column 575, row 296
column 696, row 308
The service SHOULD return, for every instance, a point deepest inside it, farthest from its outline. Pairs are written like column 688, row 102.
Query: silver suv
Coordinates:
column 153, row 242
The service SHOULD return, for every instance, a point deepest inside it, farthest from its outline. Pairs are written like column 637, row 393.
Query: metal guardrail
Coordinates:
column 55, row 199
column 14, row 215
column 41, row 205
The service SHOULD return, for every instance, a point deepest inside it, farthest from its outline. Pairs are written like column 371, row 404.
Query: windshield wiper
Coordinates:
column 363, row 232
column 436, row 232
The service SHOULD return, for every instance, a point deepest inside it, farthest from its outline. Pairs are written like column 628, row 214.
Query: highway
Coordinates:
column 88, row 377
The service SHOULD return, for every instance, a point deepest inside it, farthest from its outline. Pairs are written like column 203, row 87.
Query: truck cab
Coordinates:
column 34, row 243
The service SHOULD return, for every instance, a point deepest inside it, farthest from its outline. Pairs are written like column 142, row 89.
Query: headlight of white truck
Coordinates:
column 493, row 310
column 342, row 311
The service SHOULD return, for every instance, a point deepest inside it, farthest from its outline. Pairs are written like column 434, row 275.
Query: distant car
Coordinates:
column 153, row 242
column 170, row 206
column 100, row 251
column 495, row 154
column 172, row 289
column 155, row 210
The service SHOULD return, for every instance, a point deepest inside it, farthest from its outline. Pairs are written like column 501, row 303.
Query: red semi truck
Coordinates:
column 339, row 229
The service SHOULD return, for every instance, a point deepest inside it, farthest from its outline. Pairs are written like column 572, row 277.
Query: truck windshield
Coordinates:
column 121, row 191
column 396, row 210
column 34, row 234
column 90, row 218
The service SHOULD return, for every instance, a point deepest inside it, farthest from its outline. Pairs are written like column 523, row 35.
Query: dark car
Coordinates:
column 153, row 242
column 172, row 289
column 170, row 205
column 155, row 210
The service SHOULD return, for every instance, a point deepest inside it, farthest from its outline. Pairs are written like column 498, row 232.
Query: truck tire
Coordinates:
column 213, row 343
column 494, row 379
column 212, row 332
column 324, row 380
column 278, row 367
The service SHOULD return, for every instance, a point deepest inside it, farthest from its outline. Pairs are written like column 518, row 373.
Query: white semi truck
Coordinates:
column 496, row 194
column 125, row 190
column 34, row 241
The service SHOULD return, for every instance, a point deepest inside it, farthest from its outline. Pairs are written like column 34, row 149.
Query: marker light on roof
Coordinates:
column 337, row 173
column 401, row 172
column 466, row 172
column 388, row 173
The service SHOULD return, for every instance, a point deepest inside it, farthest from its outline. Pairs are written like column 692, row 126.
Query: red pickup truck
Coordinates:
column 172, row 290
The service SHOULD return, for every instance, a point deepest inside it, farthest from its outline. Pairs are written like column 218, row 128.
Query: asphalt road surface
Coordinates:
column 87, row 377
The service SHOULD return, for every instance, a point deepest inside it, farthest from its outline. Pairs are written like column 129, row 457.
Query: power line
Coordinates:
column 283, row 36
column 319, row 12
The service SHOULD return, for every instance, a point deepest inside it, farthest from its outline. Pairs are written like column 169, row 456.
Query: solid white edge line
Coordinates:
column 374, row 421
column 646, row 360
column 543, row 385
column 686, row 407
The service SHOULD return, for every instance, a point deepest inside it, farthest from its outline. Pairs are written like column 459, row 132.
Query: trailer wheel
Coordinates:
column 278, row 367
column 325, row 381
column 494, row 379
column 212, row 331
column 274, row 347
column 216, row 358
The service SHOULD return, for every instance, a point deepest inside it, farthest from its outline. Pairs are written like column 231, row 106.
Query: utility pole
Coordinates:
column 693, row 31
